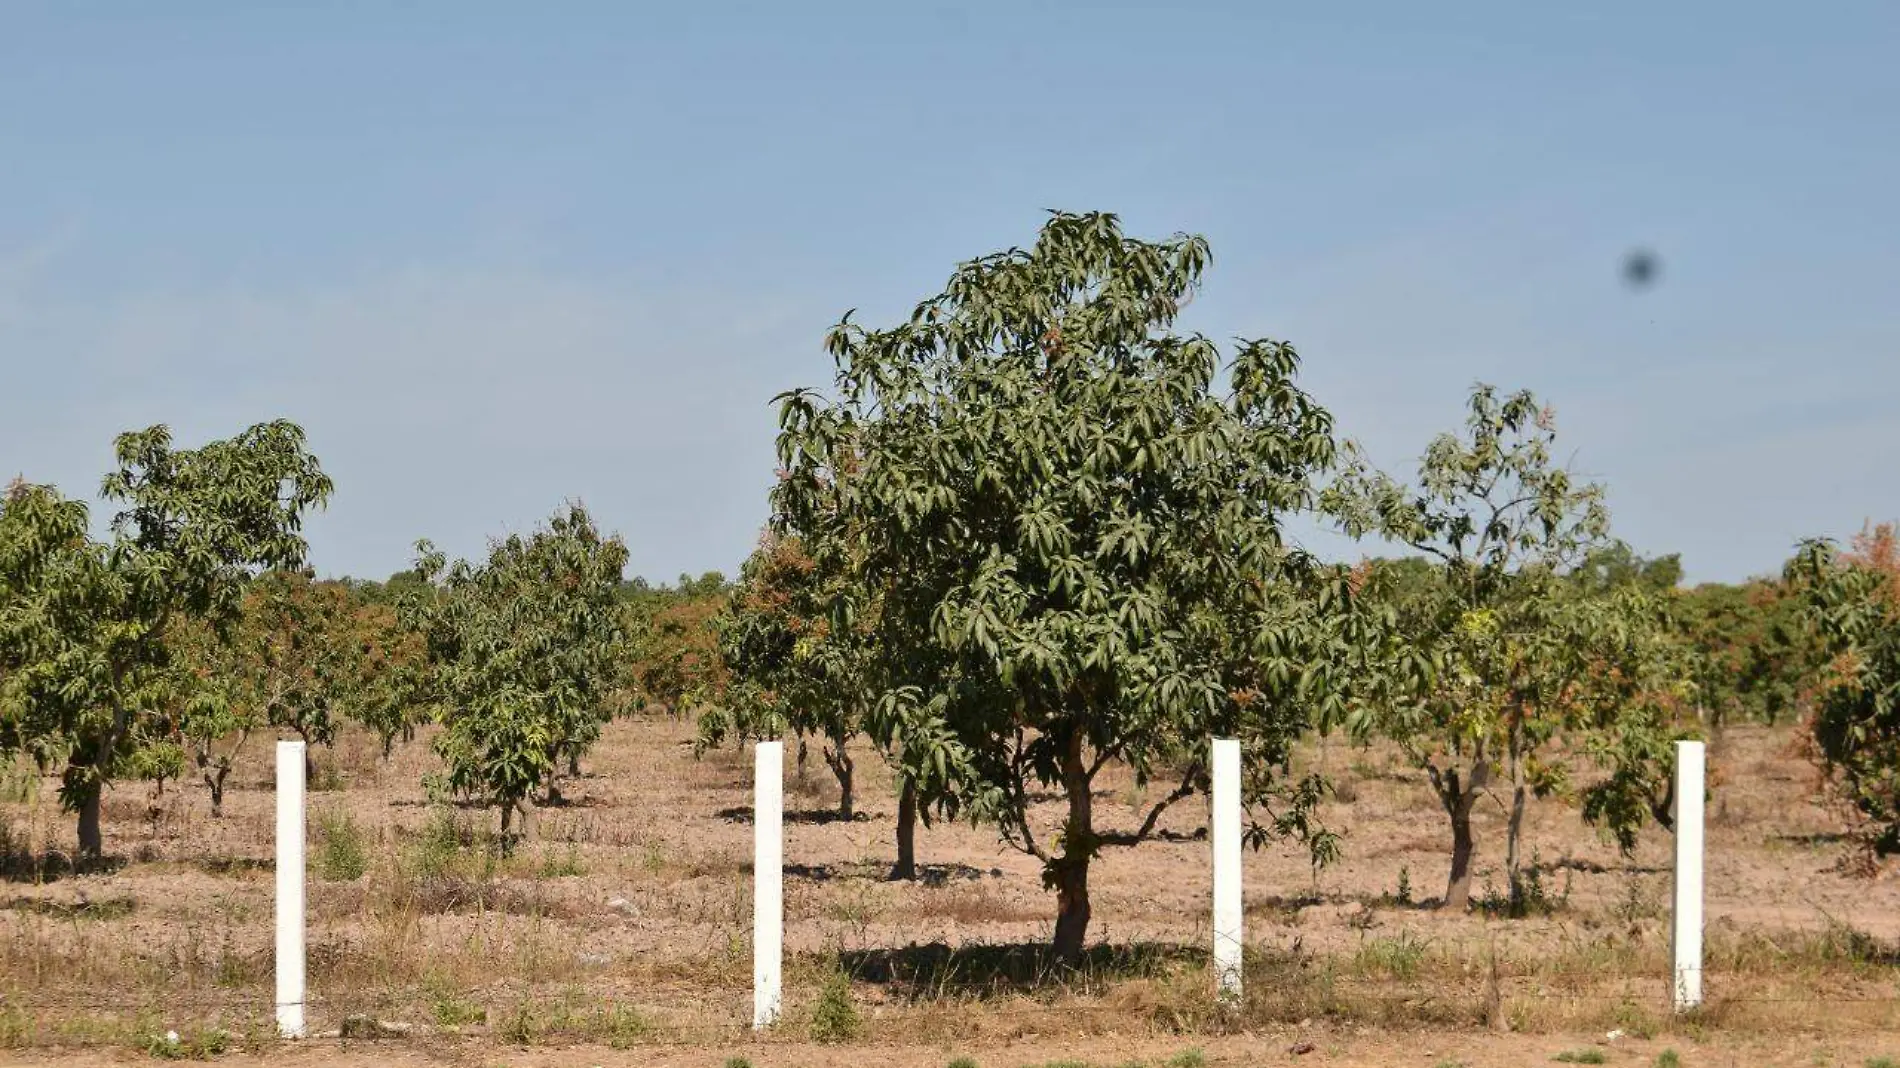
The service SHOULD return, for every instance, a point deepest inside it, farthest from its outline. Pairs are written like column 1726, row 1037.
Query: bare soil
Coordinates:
column 620, row 933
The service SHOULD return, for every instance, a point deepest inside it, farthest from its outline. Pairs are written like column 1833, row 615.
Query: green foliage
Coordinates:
column 1520, row 624
column 1059, row 541
column 563, row 865
column 342, row 853
column 156, row 761
column 738, row 1062
column 1188, row 1058
column 1399, row 957
column 1669, row 1058
column 961, row 1062
column 834, row 1017
column 790, row 670
column 521, row 654
column 1755, row 659
column 86, row 670
column 435, row 851
column 621, row 1026
column 298, row 653
column 202, row 1044
column 449, row 1008
column 1855, row 607
column 675, row 658
column 1581, row 1056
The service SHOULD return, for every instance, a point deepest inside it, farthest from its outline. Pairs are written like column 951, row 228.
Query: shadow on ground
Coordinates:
column 929, row 970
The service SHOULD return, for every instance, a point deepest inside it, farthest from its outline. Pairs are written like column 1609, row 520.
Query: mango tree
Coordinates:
column 788, row 672
column 521, row 657
column 389, row 693
column 1507, row 648
column 1062, row 521
column 86, row 671
column 673, row 656
column 1853, row 603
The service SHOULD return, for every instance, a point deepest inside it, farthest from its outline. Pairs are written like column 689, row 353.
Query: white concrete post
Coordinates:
column 1686, row 935
column 768, row 878
column 1224, row 831
column 290, row 877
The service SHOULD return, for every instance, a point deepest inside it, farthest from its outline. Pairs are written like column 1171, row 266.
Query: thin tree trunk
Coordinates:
column 906, row 867
column 803, row 756
column 1071, row 869
column 1514, row 832
column 214, row 779
column 1459, row 794
column 573, row 763
column 843, row 767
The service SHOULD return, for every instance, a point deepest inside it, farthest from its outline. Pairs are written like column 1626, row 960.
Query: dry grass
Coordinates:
column 626, row 923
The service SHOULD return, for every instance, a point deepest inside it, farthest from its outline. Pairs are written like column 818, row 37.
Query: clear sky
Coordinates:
column 497, row 256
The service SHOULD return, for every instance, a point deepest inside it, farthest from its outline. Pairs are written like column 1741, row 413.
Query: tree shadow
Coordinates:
column 1289, row 903
column 234, row 865
column 928, row 971
column 806, row 816
column 50, row 866
column 817, row 873
column 111, row 908
column 1591, row 867
column 936, row 875
column 1818, row 839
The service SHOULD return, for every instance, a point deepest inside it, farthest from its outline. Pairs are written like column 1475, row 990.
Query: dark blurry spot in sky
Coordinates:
column 1640, row 268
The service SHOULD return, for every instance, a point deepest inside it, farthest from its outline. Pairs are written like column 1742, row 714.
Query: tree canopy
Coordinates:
column 85, row 668
column 522, row 653
column 1523, row 624
column 1068, row 518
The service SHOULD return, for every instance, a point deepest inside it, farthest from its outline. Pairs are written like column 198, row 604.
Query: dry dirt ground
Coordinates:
column 620, row 934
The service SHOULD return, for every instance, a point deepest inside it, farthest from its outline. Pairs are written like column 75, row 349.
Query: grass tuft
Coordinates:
column 342, row 853
column 834, row 1018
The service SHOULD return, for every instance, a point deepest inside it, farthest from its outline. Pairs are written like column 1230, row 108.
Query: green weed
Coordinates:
column 342, row 854
column 835, row 1016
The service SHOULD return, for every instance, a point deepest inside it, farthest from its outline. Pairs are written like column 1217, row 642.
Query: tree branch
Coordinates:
column 1182, row 791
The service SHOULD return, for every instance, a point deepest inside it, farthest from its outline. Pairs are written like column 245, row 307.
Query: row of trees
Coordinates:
column 1031, row 532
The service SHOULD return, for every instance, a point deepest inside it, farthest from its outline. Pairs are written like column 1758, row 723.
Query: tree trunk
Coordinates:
column 1514, row 832
column 1072, row 907
column 906, row 867
column 1458, row 890
column 214, row 779
column 573, row 763
column 1459, row 794
column 842, row 766
column 510, row 807
column 1071, row 869
column 803, row 756
column 92, row 843
column 309, row 764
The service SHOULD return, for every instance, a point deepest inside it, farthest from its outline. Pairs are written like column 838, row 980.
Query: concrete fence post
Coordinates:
column 290, row 889
column 1686, row 932
column 768, row 884
column 1224, row 833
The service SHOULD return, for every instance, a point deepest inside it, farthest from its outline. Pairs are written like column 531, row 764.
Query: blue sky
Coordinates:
column 496, row 256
